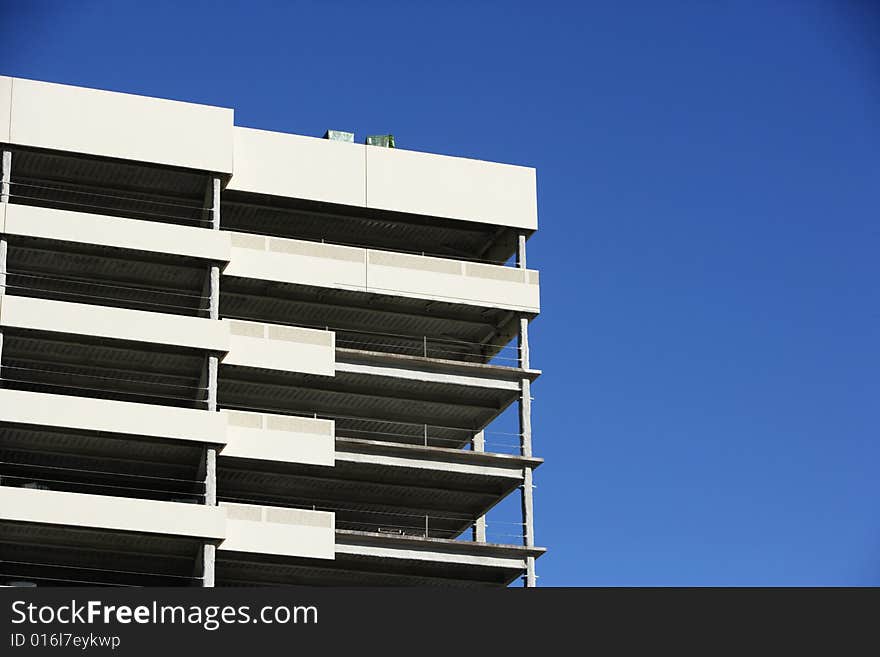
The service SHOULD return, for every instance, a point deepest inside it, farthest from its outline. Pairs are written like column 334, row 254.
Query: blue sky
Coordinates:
column 708, row 196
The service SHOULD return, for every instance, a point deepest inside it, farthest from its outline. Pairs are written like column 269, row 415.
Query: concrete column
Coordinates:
column 209, row 554
column 5, row 179
column 521, row 251
column 214, row 292
column 4, row 250
column 212, row 202
column 5, row 176
column 523, row 343
column 212, row 369
column 478, row 531
column 525, row 430
column 528, row 526
column 528, row 511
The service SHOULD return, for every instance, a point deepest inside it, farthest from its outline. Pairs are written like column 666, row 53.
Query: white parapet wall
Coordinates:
column 452, row 187
column 86, row 228
column 283, row 348
column 115, row 323
column 5, row 106
column 294, row 166
column 203, row 137
column 280, row 531
column 297, row 261
column 234, row 527
column 280, row 438
column 109, row 124
column 410, row 182
column 111, row 416
column 383, row 272
column 104, row 512
column 453, row 281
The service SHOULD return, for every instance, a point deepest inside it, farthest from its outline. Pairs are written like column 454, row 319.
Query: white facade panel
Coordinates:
column 110, row 124
column 85, row 228
column 282, row 438
column 106, row 415
column 294, row 166
column 452, row 187
column 5, row 106
column 297, row 261
column 493, row 286
column 283, row 348
column 280, row 531
column 112, row 513
column 384, row 272
column 115, row 323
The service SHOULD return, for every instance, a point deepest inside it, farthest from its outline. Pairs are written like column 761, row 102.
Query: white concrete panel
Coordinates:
column 281, row 438
column 298, row 167
column 452, row 280
column 284, row 348
column 452, row 187
column 112, row 513
column 118, row 323
column 125, row 126
column 5, row 106
column 135, row 234
column 280, row 531
column 297, row 261
column 106, row 415
column 348, row 268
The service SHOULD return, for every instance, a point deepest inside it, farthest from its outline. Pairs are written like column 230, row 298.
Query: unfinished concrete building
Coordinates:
column 237, row 357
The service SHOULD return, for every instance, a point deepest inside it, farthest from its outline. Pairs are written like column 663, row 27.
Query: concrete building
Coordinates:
column 231, row 356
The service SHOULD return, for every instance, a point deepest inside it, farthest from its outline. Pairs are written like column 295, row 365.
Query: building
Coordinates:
column 232, row 356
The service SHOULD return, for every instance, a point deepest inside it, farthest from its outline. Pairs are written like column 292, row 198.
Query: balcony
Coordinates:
column 381, row 272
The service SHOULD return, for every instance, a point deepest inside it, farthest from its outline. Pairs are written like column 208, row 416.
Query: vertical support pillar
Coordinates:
column 5, row 179
column 5, row 176
column 212, row 370
column 525, row 429
column 478, row 531
column 4, row 250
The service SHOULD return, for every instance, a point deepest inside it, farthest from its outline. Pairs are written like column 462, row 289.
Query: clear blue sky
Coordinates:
column 709, row 181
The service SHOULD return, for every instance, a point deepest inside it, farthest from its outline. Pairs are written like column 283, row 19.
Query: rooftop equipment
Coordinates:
column 339, row 135
column 386, row 141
